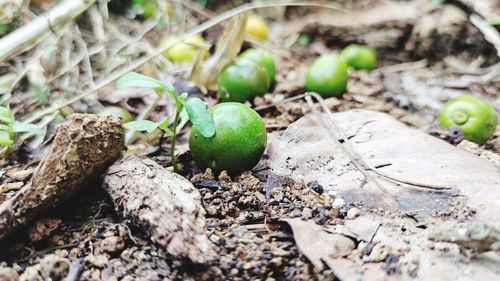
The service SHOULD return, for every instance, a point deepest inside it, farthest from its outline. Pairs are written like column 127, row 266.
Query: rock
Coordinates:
column 353, row 213
column 379, row 253
column 54, row 267
column 8, row 274
column 99, row 261
column 42, row 228
column 112, row 244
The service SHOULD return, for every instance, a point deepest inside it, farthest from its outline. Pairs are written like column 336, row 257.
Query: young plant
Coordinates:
column 9, row 128
column 192, row 109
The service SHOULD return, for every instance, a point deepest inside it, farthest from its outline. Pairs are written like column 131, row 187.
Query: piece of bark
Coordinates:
column 84, row 146
column 165, row 204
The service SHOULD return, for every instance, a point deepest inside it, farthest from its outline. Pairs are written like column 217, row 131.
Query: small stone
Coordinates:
column 8, row 274
column 277, row 193
column 307, row 213
column 353, row 213
column 277, row 261
column 42, row 228
column 338, row 203
column 54, row 268
column 31, row 274
column 224, row 177
column 99, row 261
column 379, row 253
column 112, row 244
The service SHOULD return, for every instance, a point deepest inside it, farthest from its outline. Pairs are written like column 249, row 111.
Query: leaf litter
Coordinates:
column 393, row 232
column 445, row 183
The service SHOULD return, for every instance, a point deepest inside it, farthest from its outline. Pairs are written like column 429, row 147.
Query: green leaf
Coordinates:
column 200, row 117
column 41, row 93
column 134, row 79
column 19, row 127
column 141, row 125
column 493, row 21
column 5, row 138
column 6, row 115
column 164, row 126
column 183, row 119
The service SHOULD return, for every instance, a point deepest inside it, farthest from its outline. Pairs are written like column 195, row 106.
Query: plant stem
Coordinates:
column 174, row 136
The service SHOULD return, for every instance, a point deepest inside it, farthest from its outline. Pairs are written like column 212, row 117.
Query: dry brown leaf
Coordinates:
column 307, row 152
column 396, row 217
column 205, row 74
column 317, row 244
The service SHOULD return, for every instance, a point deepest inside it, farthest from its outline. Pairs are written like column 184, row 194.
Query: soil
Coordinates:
column 85, row 238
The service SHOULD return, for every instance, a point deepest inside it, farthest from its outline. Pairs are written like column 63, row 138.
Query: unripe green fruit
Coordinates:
column 239, row 141
column 360, row 57
column 242, row 80
column 264, row 58
column 327, row 76
column 257, row 27
column 476, row 118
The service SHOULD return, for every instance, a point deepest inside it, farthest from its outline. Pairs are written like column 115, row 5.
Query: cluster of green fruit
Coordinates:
column 240, row 133
column 328, row 75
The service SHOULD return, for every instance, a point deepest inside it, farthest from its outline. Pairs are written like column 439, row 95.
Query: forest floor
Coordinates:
column 428, row 53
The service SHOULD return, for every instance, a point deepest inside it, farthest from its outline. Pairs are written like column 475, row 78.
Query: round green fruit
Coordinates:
column 242, row 80
column 185, row 51
column 239, row 141
column 118, row 112
column 475, row 117
column 264, row 58
column 327, row 76
column 360, row 57
column 257, row 27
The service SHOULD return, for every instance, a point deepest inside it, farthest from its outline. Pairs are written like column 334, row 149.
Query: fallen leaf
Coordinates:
column 462, row 189
column 317, row 244
column 205, row 73
column 308, row 152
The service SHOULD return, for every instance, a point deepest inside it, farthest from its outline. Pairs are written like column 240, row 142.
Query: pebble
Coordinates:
column 8, row 274
column 353, row 213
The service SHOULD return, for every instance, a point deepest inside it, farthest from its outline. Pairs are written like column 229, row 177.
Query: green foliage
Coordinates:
column 493, row 21
column 192, row 109
column 9, row 128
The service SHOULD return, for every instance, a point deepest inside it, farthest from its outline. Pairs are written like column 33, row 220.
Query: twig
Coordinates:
column 41, row 27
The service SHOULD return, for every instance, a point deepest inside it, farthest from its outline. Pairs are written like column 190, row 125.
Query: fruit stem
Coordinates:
column 174, row 137
column 460, row 117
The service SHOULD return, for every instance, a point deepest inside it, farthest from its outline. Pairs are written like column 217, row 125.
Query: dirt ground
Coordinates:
column 428, row 53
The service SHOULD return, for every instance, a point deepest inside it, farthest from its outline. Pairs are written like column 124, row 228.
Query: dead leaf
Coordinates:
column 307, row 152
column 205, row 74
column 317, row 244
column 397, row 215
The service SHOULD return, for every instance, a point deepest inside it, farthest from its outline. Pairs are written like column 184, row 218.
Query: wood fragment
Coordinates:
column 84, row 146
column 41, row 27
column 165, row 204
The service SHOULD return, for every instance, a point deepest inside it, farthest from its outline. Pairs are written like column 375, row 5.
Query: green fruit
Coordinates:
column 327, row 76
column 360, row 56
column 239, row 141
column 185, row 51
column 475, row 117
column 118, row 112
column 242, row 80
column 257, row 27
column 264, row 58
